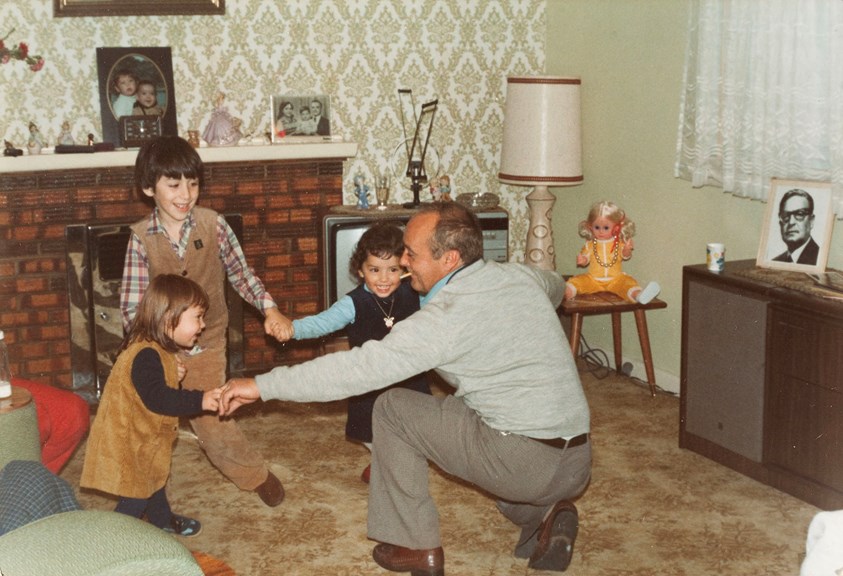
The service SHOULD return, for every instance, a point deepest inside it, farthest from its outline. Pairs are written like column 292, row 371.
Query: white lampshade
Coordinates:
column 542, row 146
column 542, row 137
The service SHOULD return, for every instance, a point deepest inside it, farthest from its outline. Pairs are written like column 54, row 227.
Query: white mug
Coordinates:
column 715, row 256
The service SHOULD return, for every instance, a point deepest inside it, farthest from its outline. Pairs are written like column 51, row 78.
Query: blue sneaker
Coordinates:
column 183, row 526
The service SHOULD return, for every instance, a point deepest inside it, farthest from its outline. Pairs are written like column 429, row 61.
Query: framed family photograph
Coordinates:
column 797, row 226
column 137, row 95
column 306, row 115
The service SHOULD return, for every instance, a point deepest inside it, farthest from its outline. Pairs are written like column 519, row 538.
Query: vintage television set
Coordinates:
column 342, row 230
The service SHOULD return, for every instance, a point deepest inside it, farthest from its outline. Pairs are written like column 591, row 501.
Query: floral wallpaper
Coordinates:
column 358, row 52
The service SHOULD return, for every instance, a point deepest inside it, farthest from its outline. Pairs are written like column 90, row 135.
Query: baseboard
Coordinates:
column 664, row 380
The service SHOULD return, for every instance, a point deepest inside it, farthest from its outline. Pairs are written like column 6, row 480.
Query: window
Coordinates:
column 763, row 95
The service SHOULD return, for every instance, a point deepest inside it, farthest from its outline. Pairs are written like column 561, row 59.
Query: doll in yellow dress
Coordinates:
column 608, row 243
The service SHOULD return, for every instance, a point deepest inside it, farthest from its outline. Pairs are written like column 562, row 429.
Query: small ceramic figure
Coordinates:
column 65, row 137
column 434, row 189
column 36, row 142
column 362, row 191
column 10, row 150
column 445, row 188
column 222, row 129
column 193, row 138
column 608, row 235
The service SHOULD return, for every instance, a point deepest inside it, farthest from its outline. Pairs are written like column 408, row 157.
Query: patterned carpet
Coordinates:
column 651, row 507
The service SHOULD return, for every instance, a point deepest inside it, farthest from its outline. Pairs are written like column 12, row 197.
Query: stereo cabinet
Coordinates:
column 762, row 381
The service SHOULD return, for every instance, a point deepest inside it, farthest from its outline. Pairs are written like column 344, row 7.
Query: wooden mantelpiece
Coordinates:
column 279, row 190
column 283, row 151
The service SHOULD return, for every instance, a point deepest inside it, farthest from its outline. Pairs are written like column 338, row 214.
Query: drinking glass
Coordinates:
column 382, row 184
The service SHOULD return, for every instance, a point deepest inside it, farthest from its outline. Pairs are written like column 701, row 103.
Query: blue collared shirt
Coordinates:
column 438, row 286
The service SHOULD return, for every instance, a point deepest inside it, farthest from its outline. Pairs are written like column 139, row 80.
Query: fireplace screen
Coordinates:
column 95, row 254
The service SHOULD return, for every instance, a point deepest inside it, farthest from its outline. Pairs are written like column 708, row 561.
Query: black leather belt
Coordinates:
column 562, row 443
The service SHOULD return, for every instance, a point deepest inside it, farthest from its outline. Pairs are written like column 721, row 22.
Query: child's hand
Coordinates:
column 277, row 325
column 211, row 400
column 582, row 260
column 181, row 369
column 237, row 392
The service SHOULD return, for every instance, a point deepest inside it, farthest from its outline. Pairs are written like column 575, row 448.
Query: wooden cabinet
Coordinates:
column 762, row 381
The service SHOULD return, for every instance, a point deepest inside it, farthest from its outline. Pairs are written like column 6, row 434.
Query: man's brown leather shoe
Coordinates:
column 416, row 562
column 556, row 538
column 271, row 491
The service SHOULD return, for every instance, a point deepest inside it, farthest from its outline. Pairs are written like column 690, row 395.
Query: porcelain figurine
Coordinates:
column 222, row 129
column 65, row 137
column 362, row 191
column 10, row 150
column 36, row 142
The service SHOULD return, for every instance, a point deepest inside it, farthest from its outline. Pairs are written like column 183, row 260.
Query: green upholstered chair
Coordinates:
column 19, row 439
column 81, row 542
column 93, row 543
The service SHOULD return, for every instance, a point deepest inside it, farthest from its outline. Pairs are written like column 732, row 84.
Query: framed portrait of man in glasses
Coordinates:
column 797, row 226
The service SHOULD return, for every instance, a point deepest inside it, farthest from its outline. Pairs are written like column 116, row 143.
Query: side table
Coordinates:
column 607, row 303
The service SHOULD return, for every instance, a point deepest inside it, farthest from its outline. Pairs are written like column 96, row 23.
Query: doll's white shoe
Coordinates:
column 648, row 293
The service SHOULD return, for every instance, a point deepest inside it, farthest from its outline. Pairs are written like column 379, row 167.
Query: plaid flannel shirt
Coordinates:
column 240, row 275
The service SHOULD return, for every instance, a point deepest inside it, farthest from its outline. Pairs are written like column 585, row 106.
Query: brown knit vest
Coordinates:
column 201, row 263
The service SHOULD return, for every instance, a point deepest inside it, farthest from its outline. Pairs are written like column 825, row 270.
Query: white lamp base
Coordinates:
column 540, row 251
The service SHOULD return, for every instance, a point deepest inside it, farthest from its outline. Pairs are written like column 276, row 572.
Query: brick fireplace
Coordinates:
column 279, row 195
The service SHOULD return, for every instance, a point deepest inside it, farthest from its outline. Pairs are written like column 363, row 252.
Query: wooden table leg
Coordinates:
column 617, row 341
column 644, row 338
column 576, row 328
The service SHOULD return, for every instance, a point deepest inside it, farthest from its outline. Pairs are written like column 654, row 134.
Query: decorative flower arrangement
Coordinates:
column 19, row 52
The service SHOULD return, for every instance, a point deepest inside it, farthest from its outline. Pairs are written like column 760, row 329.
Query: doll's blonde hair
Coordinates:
column 611, row 212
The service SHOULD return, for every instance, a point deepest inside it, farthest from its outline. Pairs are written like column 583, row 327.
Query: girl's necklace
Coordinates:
column 615, row 250
column 388, row 318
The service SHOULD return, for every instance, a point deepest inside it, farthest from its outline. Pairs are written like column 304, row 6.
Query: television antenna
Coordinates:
column 414, row 158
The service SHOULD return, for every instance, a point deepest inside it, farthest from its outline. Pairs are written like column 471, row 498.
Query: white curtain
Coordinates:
column 763, row 95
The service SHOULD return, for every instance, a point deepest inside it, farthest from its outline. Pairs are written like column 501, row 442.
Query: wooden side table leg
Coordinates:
column 576, row 328
column 644, row 338
column 617, row 340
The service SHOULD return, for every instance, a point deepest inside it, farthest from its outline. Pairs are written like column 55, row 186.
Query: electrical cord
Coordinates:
column 597, row 364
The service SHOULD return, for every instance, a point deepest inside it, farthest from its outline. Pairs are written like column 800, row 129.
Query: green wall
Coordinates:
column 630, row 56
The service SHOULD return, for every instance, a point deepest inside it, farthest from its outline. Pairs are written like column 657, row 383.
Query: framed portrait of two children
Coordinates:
column 137, row 95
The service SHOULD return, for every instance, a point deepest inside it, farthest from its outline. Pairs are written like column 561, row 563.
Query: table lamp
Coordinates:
column 542, row 146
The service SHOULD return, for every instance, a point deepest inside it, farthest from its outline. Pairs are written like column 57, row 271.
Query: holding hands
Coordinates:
column 277, row 325
column 211, row 400
column 237, row 392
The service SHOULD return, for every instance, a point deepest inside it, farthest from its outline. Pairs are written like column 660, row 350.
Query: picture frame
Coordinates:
column 150, row 70
column 808, row 240
column 70, row 8
column 295, row 107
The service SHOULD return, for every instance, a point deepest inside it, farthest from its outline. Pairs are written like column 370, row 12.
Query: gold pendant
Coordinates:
column 389, row 321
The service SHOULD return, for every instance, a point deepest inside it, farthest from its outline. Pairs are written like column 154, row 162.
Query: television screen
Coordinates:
column 341, row 232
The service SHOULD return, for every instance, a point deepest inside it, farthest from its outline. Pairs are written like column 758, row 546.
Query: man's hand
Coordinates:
column 237, row 392
column 277, row 325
